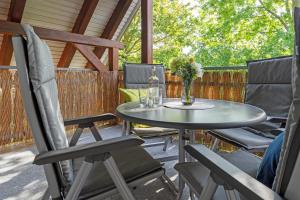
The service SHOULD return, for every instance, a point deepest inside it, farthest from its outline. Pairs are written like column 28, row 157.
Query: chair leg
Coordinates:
column 181, row 160
column 171, row 139
column 192, row 195
column 96, row 133
column 76, row 136
column 124, row 128
column 191, row 134
column 118, row 179
column 79, row 181
column 179, row 196
column 209, row 190
column 166, row 180
column 192, row 138
column 215, row 146
column 127, row 128
column 232, row 195
column 167, row 140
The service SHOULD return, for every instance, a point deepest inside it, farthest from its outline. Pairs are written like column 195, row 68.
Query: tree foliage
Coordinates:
column 215, row 32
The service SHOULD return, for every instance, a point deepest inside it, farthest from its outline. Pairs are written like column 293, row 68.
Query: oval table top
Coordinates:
column 223, row 114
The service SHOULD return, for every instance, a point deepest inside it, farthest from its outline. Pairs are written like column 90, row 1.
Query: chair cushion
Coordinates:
column 154, row 131
column 194, row 173
column 132, row 94
column 246, row 161
column 42, row 77
column 142, row 129
column 133, row 163
column 269, row 85
column 243, row 138
column 274, row 99
column 137, row 75
column 266, row 129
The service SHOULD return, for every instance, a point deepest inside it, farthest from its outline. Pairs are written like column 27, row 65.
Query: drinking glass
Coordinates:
column 143, row 97
column 156, row 98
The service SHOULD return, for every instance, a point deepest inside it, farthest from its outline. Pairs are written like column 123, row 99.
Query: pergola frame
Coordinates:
column 81, row 23
column 75, row 42
column 76, row 39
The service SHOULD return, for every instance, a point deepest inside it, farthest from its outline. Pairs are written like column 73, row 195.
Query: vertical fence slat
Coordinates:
column 85, row 93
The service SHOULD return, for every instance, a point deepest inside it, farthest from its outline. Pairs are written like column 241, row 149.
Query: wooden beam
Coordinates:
column 61, row 36
column 15, row 14
column 113, row 24
column 147, row 31
column 113, row 59
column 81, row 23
column 91, row 57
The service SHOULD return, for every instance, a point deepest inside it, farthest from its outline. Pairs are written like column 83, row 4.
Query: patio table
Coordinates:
column 221, row 115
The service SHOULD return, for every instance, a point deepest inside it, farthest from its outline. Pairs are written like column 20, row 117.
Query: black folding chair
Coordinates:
column 136, row 76
column 269, row 88
column 87, row 171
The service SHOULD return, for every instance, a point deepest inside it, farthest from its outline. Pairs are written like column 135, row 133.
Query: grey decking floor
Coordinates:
column 20, row 179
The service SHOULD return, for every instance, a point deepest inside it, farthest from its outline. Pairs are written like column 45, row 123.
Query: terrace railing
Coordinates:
column 88, row 92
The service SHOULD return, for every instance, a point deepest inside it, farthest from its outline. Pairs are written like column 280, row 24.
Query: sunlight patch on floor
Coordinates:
column 8, row 177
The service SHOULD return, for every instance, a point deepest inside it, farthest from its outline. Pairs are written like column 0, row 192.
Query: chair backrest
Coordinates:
column 269, row 85
column 137, row 75
column 289, row 187
column 287, row 178
column 39, row 92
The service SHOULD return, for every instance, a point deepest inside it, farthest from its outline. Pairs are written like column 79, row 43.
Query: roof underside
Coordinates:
column 61, row 15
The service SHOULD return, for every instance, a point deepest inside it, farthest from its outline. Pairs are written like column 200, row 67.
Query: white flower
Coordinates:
column 199, row 70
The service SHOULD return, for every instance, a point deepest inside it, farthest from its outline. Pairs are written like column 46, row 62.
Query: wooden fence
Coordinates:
column 85, row 92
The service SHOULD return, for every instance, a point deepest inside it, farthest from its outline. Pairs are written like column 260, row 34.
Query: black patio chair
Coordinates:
column 136, row 76
column 86, row 171
column 232, row 175
column 269, row 88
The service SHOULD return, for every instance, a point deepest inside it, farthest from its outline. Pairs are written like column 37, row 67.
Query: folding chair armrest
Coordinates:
column 276, row 119
column 86, row 150
column 90, row 119
column 230, row 174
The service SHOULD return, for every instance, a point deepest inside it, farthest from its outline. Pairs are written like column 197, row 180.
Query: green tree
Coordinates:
column 216, row 32
column 236, row 31
column 132, row 41
column 171, row 24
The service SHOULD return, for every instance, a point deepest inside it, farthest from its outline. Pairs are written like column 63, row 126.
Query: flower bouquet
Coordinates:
column 188, row 70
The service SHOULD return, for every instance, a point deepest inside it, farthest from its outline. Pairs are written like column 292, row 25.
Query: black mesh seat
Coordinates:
column 134, row 163
column 269, row 88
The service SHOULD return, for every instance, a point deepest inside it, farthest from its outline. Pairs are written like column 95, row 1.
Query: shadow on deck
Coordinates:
column 20, row 179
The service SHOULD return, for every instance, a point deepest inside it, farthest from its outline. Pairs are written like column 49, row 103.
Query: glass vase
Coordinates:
column 187, row 97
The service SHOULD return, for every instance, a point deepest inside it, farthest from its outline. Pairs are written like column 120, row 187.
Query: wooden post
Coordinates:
column 147, row 31
column 113, row 59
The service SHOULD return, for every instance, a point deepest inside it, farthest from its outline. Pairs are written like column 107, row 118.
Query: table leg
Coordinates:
column 181, row 159
column 124, row 128
column 192, row 140
column 127, row 128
